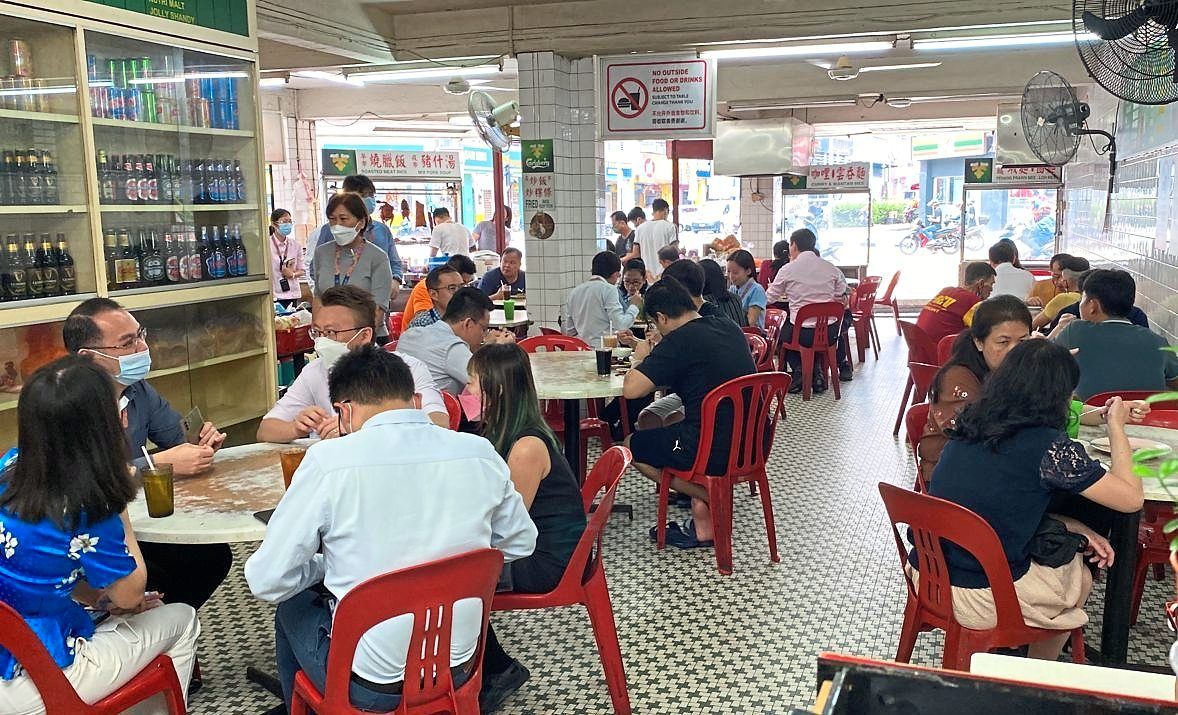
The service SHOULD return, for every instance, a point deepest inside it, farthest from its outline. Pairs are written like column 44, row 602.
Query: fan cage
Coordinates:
column 1138, row 68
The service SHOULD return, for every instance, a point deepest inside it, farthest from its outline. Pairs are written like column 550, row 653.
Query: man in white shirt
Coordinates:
column 394, row 491
column 448, row 237
column 344, row 320
column 652, row 235
column 484, row 233
column 446, row 346
column 593, row 308
column 1010, row 280
column 805, row 280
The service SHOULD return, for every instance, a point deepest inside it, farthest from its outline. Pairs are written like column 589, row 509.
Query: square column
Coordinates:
column 556, row 97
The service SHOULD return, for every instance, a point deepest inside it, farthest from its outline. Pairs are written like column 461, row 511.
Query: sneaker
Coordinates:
column 846, row 373
column 497, row 688
column 819, row 386
column 795, row 385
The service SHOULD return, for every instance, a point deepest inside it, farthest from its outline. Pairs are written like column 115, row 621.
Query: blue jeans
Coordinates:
column 302, row 636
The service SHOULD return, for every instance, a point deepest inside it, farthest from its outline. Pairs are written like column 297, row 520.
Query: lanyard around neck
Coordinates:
column 284, row 251
column 355, row 260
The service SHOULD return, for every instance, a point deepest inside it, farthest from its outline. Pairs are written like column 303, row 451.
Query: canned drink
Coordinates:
column 231, row 89
column 92, row 68
column 41, row 96
column 28, row 100
column 130, row 104
column 136, row 67
column 150, row 113
column 10, row 100
column 20, row 60
column 146, row 63
column 234, row 123
column 115, row 101
column 205, row 119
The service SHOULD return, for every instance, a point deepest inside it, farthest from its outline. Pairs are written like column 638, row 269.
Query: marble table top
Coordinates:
column 569, row 375
column 218, row 507
column 1153, row 489
column 499, row 320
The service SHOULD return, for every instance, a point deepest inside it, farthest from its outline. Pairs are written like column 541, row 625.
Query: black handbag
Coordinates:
column 1053, row 545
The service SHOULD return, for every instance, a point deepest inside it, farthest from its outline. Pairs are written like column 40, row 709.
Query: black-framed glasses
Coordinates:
column 331, row 334
column 140, row 336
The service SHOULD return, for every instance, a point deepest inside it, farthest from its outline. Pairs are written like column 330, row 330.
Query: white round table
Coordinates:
column 572, row 376
column 218, row 507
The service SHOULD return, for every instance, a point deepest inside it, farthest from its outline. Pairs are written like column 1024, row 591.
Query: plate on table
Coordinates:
column 1100, row 444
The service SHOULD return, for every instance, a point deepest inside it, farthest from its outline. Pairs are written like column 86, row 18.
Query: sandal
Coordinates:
column 682, row 537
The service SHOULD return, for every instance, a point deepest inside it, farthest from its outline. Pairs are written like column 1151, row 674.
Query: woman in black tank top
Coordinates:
column 501, row 375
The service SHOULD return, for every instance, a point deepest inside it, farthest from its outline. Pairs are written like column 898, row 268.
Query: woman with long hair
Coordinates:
column 501, row 376
column 742, row 279
column 716, row 292
column 66, row 540
column 286, row 259
column 1008, row 456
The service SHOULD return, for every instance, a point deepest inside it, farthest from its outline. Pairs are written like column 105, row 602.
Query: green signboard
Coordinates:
column 979, row 171
column 793, row 182
column 536, row 156
column 339, row 162
column 223, row 15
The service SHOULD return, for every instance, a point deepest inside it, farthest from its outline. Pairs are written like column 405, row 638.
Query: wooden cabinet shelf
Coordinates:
column 170, row 128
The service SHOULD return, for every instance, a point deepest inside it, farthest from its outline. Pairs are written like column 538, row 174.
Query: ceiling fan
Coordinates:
column 843, row 70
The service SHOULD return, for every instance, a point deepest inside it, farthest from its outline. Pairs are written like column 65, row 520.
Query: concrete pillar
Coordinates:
column 756, row 217
column 557, row 102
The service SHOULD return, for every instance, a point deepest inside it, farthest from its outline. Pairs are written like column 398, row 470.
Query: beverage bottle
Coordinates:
column 154, row 269
column 153, row 184
column 36, row 187
column 230, row 252
column 166, row 194
column 106, row 185
column 6, row 187
column 49, row 178
column 141, row 181
column 33, row 274
column 130, row 181
column 20, row 181
column 239, row 248
column 67, row 275
column 127, row 264
column 110, row 255
column 238, row 182
column 226, row 187
column 220, row 259
column 15, row 280
column 213, row 182
column 171, row 259
column 195, row 261
column 47, row 262
column 199, row 188
column 187, row 193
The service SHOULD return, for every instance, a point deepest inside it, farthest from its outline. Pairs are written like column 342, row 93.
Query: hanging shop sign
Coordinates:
column 668, row 96
column 224, row 15
column 983, row 171
column 536, row 156
column 837, row 177
column 393, row 164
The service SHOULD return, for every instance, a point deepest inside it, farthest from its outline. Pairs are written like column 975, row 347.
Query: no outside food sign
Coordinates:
column 656, row 96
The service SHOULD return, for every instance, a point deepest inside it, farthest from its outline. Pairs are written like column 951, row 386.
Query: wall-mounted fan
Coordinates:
column 843, row 69
column 1129, row 47
column 494, row 121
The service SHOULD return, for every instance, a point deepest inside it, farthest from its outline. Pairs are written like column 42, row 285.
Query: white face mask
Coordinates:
column 331, row 350
column 343, row 235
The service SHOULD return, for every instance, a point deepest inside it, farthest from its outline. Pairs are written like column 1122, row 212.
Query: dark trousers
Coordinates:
column 794, row 359
column 186, row 573
column 302, row 637
column 528, row 575
column 612, row 414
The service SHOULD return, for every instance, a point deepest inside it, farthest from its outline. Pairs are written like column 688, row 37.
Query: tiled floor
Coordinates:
column 692, row 640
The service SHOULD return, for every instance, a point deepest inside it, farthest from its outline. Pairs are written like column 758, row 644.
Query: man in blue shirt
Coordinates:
column 506, row 280
column 378, row 233
column 102, row 330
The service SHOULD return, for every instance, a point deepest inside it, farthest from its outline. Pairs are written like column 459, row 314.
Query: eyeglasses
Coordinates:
column 331, row 334
column 140, row 336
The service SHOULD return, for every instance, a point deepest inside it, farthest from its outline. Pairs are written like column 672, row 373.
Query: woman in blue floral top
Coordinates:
column 66, row 541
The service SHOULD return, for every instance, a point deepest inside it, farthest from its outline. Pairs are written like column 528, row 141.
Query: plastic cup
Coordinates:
column 291, row 459
column 159, row 490
column 609, row 341
column 509, row 309
column 1074, row 410
column 604, row 357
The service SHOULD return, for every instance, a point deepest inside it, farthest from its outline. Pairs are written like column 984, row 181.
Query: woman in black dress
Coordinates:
column 501, row 375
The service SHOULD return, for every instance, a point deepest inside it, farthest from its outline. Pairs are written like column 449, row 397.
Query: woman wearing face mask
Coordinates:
column 377, row 233
column 350, row 259
column 286, row 259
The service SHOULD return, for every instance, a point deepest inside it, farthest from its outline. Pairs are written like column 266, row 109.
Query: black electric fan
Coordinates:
column 1129, row 47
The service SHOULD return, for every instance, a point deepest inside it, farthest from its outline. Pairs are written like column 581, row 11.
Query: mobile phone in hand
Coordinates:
column 193, row 423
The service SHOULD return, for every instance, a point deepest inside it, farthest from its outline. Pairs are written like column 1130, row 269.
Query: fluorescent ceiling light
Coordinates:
column 798, row 104
column 423, row 126
column 329, row 77
column 985, row 42
column 272, row 82
column 888, row 68
column 431, row 73
column 838, row 48
column 461, row 120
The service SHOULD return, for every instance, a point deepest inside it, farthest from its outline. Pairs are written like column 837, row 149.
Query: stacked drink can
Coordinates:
column 135, row 89
column 19, row 85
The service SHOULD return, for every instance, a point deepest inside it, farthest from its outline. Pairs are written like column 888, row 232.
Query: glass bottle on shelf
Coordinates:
column 49, row 178
column 14, row 279
column 35, row 187
column 47, row 264
column 195, row 259
column 127, row 264
column 66, row 270
column 33, row 274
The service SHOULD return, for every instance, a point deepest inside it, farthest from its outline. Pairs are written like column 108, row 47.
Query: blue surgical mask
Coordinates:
column 286, row 228
column 370, row 203
column 132, row 368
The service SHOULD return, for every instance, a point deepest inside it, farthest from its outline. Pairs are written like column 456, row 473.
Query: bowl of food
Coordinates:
column 622, row 353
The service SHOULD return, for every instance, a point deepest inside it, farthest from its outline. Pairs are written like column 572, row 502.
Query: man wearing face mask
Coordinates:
column 377, row 233
column 344, row 321
column 102, row 330
column 446, row 346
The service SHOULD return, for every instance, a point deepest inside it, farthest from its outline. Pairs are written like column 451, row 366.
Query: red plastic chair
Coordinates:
column 921, row 348
column 930, row 605
column 774, row 320
column 391, row 346
column 584, row 581
column 824, row 313
column 759, row 347
column 1100, row 399
column 454, row 409
column 888, row 299
column 393, row 323
column 862, row 307
column 757, row 402
column 945, row 348
column 550, row 331
column 59, row 696
column 1153, row 544
column 914, row 423
column 428, row 592
column 590, row 427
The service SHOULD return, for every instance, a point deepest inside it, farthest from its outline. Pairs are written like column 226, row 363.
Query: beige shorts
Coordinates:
column 1051, row 598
